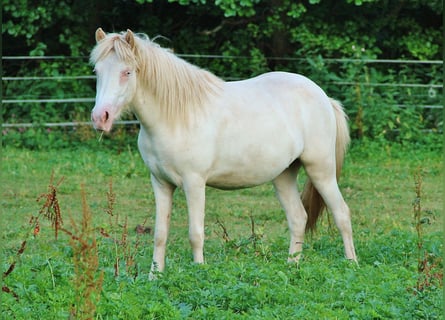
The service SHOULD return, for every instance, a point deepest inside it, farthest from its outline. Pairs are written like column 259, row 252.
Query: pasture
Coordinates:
column 245, row 275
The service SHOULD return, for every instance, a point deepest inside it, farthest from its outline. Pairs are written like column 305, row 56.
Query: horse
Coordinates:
column 197, row 130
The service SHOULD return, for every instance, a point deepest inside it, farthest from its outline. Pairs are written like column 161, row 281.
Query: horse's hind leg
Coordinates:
column 286, row 189
column 323, row 177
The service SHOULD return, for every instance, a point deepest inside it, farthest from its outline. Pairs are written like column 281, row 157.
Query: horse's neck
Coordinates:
column 147, row 109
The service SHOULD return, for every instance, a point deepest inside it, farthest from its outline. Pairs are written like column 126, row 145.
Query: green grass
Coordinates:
column 244, row 278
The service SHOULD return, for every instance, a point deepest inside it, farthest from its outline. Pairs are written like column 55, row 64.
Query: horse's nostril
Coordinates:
column 106, row 115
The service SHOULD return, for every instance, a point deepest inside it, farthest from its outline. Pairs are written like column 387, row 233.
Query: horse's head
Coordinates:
column 115, row 68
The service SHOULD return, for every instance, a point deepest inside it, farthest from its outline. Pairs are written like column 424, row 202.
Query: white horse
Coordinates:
column 198, row 130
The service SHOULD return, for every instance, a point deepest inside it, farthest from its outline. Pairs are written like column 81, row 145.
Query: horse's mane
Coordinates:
column 179, row 87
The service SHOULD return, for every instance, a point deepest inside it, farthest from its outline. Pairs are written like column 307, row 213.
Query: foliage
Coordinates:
column 408, row 29
column 283, row 35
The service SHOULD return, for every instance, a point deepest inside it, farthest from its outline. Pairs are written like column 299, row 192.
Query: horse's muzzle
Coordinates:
column 102, row 120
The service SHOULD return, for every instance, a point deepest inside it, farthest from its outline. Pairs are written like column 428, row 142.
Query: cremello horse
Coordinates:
column 199, row 130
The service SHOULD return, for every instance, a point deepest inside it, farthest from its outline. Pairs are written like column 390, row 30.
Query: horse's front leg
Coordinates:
column 163, row 192
column 194, row 188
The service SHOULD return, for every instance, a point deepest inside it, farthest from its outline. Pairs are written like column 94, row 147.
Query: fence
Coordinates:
column 429, row 98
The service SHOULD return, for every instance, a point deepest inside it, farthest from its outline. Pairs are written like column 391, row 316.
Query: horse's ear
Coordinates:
column 129, row 37
column 100, row 34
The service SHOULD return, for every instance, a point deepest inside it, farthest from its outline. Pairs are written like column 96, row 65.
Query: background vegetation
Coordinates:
column 250, row 37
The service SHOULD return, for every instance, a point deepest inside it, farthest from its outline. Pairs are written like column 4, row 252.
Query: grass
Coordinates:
column 244, row 277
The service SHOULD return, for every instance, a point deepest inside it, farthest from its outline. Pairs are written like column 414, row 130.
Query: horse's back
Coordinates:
column 277, row 89
column 289, row 99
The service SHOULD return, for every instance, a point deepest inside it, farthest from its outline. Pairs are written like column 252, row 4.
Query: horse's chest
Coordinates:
column 170, row 158
column 156, row 158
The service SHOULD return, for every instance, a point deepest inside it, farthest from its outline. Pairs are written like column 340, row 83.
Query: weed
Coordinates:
column 87, row 280
column 255, row 236
column 50, row 209
column 225, row 234
column 11, row 268
column 111, row 199
column 129, row 252
column 429, row 267
column 254, row 241
column 118, row 233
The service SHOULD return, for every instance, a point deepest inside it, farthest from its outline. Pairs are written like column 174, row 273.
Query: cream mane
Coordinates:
column 179, row 87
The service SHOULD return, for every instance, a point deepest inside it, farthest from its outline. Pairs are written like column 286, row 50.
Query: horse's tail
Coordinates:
column 312, row 200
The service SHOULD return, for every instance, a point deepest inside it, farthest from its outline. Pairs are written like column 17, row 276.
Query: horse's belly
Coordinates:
column 243, row 177
column 233, row 180
column 252, row 166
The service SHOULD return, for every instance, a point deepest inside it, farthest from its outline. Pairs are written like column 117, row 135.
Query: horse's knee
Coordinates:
column 196, row 238
column 160, row 238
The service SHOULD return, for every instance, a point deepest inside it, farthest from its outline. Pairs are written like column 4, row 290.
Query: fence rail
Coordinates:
column 432, row 87
column 63, row 124
column 68, row 100
column 215, row 56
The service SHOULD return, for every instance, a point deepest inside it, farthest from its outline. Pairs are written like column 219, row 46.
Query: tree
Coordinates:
column 388, row 29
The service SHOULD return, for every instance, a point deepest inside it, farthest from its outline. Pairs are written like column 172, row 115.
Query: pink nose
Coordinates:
column 101, row 120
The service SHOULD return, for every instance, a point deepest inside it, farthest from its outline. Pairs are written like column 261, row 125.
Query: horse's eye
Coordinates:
column 126, row 73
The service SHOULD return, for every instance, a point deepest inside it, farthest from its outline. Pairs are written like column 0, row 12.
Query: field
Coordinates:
column 105, row 194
